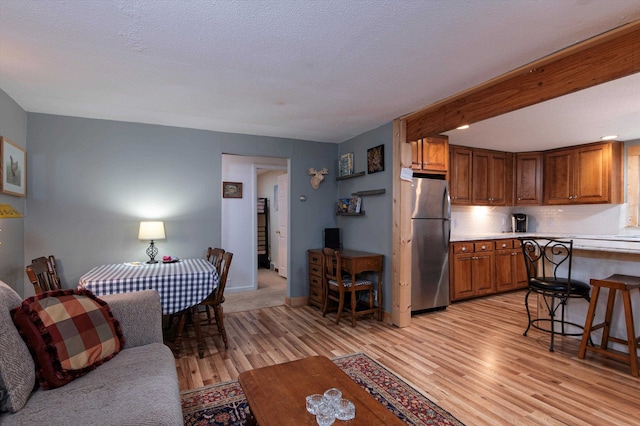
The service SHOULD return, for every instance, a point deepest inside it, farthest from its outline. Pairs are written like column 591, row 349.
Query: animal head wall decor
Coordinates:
column 317, row 176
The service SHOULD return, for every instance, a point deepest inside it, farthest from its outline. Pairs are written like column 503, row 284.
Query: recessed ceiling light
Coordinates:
column 609, row 137
column 463, row 127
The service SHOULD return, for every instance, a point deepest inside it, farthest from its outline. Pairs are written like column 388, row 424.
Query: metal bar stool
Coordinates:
column 625, row 284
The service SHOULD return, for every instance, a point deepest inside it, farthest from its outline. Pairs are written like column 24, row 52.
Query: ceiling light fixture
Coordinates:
column 609, row 137
column 463, row 127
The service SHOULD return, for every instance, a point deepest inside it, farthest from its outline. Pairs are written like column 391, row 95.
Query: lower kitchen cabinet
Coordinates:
column 510, row 267
column 480, row 268
column 472, row 269
column 316, row 292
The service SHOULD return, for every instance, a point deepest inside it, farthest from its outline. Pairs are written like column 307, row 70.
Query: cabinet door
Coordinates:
column 435, row 154
column 504, row 273
column 461, row 276
column 497, row 178
column 528, row 178
column 520, row 268
column 483, row 273
column 489, row 178
column 591, row 174
column 558, row 177
column 416, row 155
column 460, row 175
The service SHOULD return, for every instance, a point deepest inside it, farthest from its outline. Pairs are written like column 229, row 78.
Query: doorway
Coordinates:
column 256, row 260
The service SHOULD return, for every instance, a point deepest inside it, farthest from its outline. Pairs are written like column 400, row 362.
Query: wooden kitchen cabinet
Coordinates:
column 489, row 178
column 472, row 269
column 316, row 290
column 585, row 174
column 528, row 178
column 461, row 159
column 430, row 155
column 510, row 272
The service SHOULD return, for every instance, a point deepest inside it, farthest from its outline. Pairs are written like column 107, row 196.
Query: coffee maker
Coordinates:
column 519, row 222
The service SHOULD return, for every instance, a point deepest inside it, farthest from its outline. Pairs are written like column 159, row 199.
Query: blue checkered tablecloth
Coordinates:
column 181, row 284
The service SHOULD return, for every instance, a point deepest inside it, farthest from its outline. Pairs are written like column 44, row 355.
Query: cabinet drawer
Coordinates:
column 315, row 281
column 315, row 270
column 504, row 244
column 480, row 246
column 463, row 247
column 315, row 288
column 315, row 259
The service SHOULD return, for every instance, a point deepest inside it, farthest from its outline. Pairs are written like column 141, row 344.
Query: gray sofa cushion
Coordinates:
column 17, row 369
column 137, row 387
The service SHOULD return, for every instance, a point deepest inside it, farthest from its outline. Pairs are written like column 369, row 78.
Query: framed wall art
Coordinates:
column 375, row 159
column 231, row 189
column 14, row 174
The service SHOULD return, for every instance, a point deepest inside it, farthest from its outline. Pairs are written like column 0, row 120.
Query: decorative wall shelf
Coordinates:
column 370, row 192
column 350, row 176
column 350, row 214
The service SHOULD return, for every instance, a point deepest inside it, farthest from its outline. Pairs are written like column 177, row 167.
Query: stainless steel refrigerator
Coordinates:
column 430, row 231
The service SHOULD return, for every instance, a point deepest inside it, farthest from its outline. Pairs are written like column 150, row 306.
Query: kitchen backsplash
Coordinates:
column 605, row 219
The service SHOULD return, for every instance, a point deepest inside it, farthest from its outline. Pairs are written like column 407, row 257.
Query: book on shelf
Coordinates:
column 345, row 164
column 349, row 205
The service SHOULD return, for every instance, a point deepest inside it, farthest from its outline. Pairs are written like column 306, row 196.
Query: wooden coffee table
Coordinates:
column 276, row 394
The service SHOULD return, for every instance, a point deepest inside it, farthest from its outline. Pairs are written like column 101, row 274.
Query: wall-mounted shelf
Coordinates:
column 350, row 214
column 370, row 192
column 350, row 176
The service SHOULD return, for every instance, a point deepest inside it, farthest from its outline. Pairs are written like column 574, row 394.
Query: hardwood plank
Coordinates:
column 470, row 359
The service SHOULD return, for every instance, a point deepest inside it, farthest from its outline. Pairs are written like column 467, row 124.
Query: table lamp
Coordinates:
column 153, row 230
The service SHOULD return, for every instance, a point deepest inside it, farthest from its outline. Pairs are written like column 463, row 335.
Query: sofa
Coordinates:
column 138, row 386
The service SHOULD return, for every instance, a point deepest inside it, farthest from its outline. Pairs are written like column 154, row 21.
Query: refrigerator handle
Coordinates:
column 446, row 230
column 446, row 203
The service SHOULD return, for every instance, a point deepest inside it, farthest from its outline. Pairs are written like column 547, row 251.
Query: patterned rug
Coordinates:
column 224, row 404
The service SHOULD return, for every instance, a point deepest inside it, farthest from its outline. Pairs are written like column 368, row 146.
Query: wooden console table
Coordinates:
column 354, row 262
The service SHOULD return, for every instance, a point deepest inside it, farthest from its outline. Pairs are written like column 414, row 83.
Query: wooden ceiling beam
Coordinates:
column 603, row 58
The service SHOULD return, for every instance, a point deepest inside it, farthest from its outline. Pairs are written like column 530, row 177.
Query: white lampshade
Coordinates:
column 151, row 231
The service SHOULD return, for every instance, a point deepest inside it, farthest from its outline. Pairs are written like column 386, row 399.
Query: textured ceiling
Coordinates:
column 313, row 70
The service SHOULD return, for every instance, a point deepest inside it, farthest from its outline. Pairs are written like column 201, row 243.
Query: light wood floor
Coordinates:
column 471, row 359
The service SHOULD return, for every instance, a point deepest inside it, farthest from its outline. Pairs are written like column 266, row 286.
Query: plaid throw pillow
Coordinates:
column 69, row 333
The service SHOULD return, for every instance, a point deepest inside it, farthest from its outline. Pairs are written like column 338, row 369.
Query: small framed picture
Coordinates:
column 14, row 174
column 231, row 189
column 375, row 159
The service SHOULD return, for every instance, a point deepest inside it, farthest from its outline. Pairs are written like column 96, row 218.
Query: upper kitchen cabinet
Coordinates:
column 430, row 155
column 528, row 178
column 584, row 174
column 460, row 175
column 489, row 178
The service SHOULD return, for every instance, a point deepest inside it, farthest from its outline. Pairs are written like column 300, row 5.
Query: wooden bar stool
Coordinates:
column 624, row 283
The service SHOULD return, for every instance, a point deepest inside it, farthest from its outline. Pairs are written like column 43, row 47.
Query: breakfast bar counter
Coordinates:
column 594, row 256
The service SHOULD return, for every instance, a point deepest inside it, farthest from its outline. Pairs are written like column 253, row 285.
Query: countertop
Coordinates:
column 608, row 243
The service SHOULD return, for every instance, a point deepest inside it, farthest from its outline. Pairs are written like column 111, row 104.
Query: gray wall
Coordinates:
column 13, row 125
column 373, row 231
column 90, row 182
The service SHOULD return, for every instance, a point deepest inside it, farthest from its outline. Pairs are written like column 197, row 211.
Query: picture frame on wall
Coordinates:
column 231, row 189
column 375, row 159
column 14, row 173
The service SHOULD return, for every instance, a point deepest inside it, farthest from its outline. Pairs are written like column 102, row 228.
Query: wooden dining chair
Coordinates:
column 43, row 274
column 340, row 288
column 214, row 256
column 216, row 298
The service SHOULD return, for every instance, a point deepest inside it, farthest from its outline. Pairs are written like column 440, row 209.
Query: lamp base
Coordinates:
column 152, row 251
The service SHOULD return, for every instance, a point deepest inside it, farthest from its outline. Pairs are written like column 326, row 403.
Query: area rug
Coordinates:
column 224, row 404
